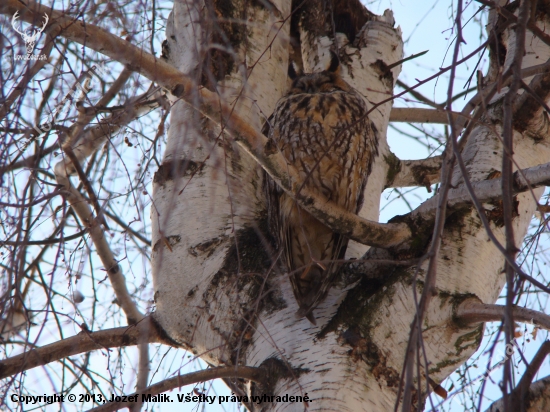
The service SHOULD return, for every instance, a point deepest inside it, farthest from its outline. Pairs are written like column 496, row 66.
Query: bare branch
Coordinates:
column 417, row 95
column 29, row 161
column 47, row 241
column 491, row 189
column 415, row 337
column 127, row 228
column 247, row 137
column 251, row 140
column 236, row 372
column 403, row 173
column 115, row 88
column 539, row 393
column 520, row 393
column 80, row 139
column 419, row 115
column 474, row 311
column 92, row 138
column 85, row 341
column 531, row 25
column 22, row 85
column 463, row 118
column 82, row 209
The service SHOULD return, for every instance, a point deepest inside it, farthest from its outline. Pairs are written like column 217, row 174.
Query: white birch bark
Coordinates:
column 222, row 197
column 218, row 305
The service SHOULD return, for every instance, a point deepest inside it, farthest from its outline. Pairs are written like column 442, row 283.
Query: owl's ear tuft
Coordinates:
column 334, row 65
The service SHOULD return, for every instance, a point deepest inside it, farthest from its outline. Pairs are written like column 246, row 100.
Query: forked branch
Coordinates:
column 85, row 341
column 403, row 173
column 247, row 137
column 236, row 372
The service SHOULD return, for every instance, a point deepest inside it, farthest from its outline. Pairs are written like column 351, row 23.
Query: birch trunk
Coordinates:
column 217, row 289
column 538, row 398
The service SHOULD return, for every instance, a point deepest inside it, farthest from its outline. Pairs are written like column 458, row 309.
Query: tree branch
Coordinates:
column 487, row 190
column 417, row 95
column 419, row 115
column 47, row 241
column 29, row 74
column 84, row 212
column 403, row 173
column 127, row 227
column 474, row 311
column 415, row 337
column 239, row 372
column 85, row 341
column 89, row 140
column 539, row 393
column 531, row 25
column 246, row 136
column 29, row 161
column 437, row 115
column 520, row 393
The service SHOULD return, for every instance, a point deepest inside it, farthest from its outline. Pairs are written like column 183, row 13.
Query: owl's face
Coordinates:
column 323, row 82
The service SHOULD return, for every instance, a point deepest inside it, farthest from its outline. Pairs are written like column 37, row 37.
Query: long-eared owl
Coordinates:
column 322, row 129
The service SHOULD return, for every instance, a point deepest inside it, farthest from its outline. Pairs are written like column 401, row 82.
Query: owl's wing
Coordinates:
column 310, row 282
column 286, row 239
column 310, row 252
column 320, row 283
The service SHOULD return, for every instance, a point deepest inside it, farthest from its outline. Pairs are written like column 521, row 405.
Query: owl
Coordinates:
column 321, row 128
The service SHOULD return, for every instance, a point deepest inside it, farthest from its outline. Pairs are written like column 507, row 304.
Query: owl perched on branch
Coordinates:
column 322, row 129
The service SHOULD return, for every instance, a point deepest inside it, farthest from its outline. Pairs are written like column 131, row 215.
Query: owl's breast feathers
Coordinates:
column 328, row 138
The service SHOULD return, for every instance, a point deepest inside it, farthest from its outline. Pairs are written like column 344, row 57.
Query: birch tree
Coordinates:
column 410, row 301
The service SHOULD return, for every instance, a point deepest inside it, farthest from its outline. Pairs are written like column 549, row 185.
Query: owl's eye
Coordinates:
column 300, row 85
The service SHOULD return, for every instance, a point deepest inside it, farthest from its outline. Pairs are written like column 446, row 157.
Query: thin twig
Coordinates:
column 118, row 281
column 531, row 25
column 238, row 372
column 519, row 394
column 85, row 341
column 29, row 74
column 415, row 336
column 507, row 182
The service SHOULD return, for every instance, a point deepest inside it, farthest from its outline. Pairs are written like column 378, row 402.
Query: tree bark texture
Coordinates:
column 537, row 399
column 219, row 290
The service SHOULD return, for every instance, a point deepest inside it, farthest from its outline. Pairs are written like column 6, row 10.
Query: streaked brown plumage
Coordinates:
column 321, row 128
